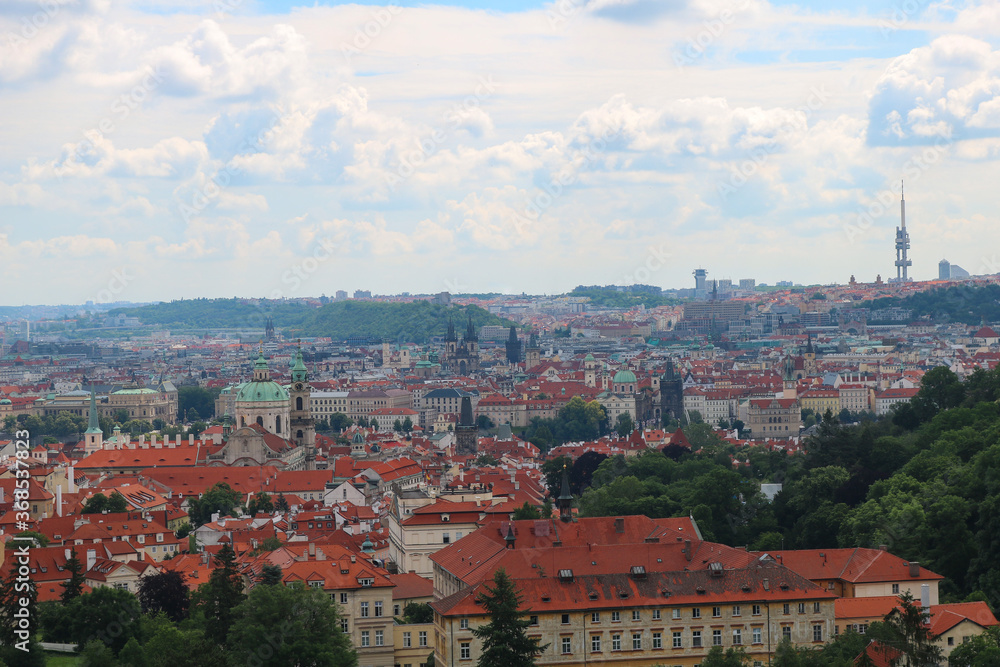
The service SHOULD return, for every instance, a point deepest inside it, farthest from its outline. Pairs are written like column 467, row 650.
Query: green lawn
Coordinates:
column 61, row 659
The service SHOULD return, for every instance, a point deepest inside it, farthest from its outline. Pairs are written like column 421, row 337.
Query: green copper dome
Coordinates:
column 624, row 377
column 261, row 392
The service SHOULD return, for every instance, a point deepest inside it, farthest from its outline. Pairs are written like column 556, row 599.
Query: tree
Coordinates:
column 73, row 587
column 109, row 615
column 484, row 423
column 221, row 499
column 397, row 426
column 624, row 424
column 99, row 503
column 730, row 657
column 218, row 597
column 505, row 641
column 981, row 650
column 281, row 504
column 289, row 625
column 339, row 421
column 261, row 502
column 165, row 592
column 374, row 423
column 486, row 460
column 270, row 575
column 526, row 511
column 418, row 612
column 10, row 625
column 906, row 629
column 407, row 425
column 40, row 539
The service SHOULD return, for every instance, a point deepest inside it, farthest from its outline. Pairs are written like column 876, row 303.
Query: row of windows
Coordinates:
column 421, row 639
column 366, row 638
column 677, row 639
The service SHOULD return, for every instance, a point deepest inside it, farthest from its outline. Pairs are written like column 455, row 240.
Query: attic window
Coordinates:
column 715, row 569
column 784, row 587
column 623, row 594
column 746, row 589
column 700, row 590
column 638, row 571
column 592, row 596
column 566, row 575
column 445, row 518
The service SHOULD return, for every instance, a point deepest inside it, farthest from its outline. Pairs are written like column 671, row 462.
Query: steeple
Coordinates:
column 93, row 424
column 451, row 331
column 470, row 331
column 565, row 499
column 299, row 370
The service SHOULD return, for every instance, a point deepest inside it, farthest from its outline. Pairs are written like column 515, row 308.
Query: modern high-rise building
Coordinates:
column 944, row 270
column 748, row 284
column 700, row 282
column 902, row 242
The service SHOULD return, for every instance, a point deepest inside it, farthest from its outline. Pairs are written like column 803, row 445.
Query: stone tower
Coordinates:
column 302, row 426
column 466, row 430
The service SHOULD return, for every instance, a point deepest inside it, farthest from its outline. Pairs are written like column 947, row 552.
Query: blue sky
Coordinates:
column 260, row 147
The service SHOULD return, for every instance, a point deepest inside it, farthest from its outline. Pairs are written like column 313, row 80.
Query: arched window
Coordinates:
column 277, row 424
column 298, row 434
column 243, row 421
column 260, row 421
column 298, row 402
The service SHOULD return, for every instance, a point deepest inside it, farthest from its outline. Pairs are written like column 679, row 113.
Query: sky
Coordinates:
column 167, row 149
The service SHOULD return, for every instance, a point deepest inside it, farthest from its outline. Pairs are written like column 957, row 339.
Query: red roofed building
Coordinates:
column 886, row 399
column 625, row 590
column 773, row 417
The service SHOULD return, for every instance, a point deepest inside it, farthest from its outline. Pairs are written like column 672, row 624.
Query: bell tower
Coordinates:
column 303, row 426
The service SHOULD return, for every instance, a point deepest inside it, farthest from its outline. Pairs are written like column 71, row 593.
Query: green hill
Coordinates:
column 403, row 322
column 962, row 303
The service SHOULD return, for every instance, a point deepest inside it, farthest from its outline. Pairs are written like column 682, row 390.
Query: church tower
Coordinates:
column 513, row 347
column 809, row 358
column 93, row 437
column 466, row 431
column 671, row 393
column 451, row 341
column 590, row 370
column 532, row 355
column 302, row 424
column 472, row 339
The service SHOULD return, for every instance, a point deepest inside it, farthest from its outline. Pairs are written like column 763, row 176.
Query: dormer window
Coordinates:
column 445, row 518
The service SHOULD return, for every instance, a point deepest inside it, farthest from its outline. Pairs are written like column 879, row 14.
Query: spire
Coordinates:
column 93, row 425
column 470, row 330
column 510, row 539
column 565, row 499
column 451, row 331
column 299, row 370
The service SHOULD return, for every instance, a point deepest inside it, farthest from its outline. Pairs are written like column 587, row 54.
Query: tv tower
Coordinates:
column 902, row 241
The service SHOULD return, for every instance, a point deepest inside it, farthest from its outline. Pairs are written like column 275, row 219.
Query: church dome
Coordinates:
column 624, row 377
column 261, row 392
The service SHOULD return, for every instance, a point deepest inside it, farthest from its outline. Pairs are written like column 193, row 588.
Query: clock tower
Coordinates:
column 303, row 426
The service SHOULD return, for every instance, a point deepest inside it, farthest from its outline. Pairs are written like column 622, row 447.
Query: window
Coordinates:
column 696, row 638
column 695, row 612
column 758, row 663
column 379, row 638
column 565, row 619
column 616, row 616
column 463, row 624
column 616, row 642
column 802, row 607
column 786, row 609
column 786, row 632
column 365, row 641
column 378, row 608
column 364, row 610
column 678, row 642
column 343, row 625
column 422, row 638
column 595, row 617
column 446, row 538
column 716, row 612
column 532, row 620
column 466, row 651
column 656, row 614
column 407, row 640
column 636, row 641
column 736, row 610
column 815, row 607
column 395, row 610
column 566, row 644
column 737, row 637
column 951, row 641
column 635, row 614
column 895, row 589
column 595, row 644
column 817, row 633
column 716, row 637
column 343, row 598
column 676, row 613
column 755, row 610
column 757, row 636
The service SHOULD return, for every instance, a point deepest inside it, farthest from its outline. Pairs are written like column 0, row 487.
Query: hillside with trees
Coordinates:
column 924, row 481
column 416, row 321
column 968, row 304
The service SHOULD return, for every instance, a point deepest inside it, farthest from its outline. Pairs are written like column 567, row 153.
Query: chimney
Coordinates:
column 320, row 555
column 58, row 501
column 178, row 439
column 925, row 598
column 1, row 492
column 191, row 440
column 312, row 549
column 67, row 553
column 91, row 559
column 204, row 558
column 170, row 443
column 70, row 480
column 687, row 550
column 215, row 517
column 142, row 441
column 914, row 569
column 620, row 525
column 883, row 547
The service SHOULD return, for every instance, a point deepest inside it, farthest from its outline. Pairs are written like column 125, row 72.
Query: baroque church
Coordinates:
column 461, row 357
column 273, row 424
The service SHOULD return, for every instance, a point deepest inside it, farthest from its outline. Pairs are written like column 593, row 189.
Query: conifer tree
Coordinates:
column 505, row 640
column 73, row 587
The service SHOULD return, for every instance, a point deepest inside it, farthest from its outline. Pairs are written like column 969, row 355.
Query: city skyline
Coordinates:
column 164, row 150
